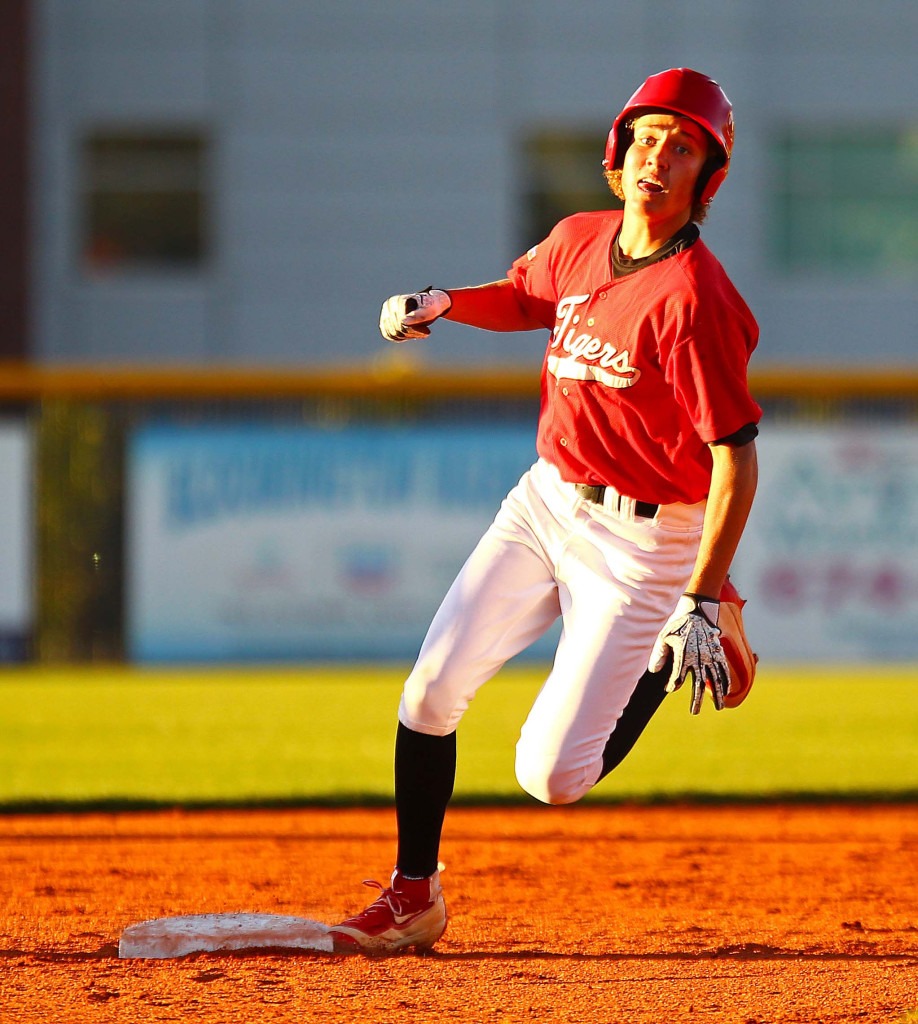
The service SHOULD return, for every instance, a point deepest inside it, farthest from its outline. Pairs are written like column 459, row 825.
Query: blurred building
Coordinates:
column 242, row 181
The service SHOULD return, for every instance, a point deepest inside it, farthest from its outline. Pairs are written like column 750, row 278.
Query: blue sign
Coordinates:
column 258, row 541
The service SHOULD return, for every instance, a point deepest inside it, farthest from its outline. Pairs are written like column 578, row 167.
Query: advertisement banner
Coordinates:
column 829, row 560
column 271, row 542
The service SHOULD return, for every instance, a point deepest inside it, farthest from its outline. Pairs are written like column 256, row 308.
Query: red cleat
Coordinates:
column 411, row 912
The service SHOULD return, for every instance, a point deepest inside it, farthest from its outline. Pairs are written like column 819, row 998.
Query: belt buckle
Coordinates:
column 593, row 493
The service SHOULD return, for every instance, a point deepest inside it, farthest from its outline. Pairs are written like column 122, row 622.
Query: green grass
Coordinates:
column 131, row 736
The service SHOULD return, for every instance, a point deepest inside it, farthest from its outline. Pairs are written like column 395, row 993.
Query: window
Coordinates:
column 846, row 200
column 564, row 175
column 144, row 202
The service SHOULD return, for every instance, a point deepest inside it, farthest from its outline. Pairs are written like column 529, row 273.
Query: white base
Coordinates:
column 213, row 933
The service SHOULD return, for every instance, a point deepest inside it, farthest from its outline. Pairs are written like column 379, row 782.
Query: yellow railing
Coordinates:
column 25, row 382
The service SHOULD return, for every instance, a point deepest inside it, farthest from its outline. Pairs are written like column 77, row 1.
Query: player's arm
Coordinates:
column 733, row 483
column 491, row 307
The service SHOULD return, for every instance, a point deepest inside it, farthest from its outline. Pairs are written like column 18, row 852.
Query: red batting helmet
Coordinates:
column 685, row 92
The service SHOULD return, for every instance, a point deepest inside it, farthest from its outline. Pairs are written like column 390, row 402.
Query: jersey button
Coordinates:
column 564, row 391
column 563, row 442
column 591, row 321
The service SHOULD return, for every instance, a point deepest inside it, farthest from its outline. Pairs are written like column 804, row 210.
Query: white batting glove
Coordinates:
column 406, row 316
column 694, row 640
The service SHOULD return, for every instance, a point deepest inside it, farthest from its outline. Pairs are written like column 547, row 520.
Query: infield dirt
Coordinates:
column 595, row 913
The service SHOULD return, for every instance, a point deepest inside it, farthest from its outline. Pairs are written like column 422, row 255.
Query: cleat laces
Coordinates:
column 388, row 904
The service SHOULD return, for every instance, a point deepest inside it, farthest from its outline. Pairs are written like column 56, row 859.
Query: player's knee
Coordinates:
column 549, row 781
column 427, row 710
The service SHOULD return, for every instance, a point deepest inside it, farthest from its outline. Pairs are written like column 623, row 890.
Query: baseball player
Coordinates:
column 626, row 525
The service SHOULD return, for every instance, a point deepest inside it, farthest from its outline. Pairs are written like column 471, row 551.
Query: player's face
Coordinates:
column 662, row 165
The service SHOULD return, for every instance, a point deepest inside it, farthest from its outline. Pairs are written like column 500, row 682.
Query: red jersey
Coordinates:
column 641, row 372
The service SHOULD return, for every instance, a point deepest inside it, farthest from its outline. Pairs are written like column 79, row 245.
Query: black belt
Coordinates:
column 598, row 494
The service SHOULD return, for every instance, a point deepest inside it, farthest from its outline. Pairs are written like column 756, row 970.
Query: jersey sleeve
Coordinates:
column 533, row 283
column 708, row 367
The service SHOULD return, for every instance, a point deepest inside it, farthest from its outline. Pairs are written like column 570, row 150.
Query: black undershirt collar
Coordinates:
column 681, row 240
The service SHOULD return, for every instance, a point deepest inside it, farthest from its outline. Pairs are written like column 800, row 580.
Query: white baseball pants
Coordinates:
column 613, row 579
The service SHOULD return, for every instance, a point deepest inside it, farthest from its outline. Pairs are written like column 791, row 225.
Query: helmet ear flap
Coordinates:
column 620, row 138
column 610, row 150
column 712, row 185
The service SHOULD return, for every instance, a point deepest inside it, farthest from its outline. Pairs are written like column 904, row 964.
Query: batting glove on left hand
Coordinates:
column 406, row 316
column 694, row 639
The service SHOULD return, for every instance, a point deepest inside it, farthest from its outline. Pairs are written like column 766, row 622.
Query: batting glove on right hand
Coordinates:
column 405, row 316
column 694, row 639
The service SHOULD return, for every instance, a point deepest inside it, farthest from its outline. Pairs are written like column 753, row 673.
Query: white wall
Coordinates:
column 363, row 148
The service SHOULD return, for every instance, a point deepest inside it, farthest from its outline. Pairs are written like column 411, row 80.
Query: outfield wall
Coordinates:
column 260, row 516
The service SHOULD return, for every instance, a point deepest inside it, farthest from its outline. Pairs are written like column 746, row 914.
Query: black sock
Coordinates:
column 425, row 772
